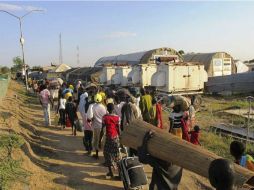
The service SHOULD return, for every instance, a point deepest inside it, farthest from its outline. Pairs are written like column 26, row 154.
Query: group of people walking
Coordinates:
column 105, row 115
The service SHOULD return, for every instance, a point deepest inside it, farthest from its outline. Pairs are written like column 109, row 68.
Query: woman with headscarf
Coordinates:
column 82, row 105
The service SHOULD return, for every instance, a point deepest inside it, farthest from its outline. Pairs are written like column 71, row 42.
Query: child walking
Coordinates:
column 111, row 122
column 71, row 112
column 194, row 135
column 61, row 111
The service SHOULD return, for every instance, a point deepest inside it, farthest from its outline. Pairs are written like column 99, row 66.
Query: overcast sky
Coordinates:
column 111, row 28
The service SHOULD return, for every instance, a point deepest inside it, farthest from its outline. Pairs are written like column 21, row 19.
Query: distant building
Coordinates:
column 65, row 75
column 216, row 64
column 85, row 74
column 55, row 71
column 250, row 66
column 241, row 67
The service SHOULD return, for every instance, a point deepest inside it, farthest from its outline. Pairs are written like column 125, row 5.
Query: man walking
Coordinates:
column 45, row 101
column 95, row 114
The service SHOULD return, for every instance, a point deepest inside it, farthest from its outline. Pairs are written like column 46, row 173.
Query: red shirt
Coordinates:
column 111, row 122
column 194, row 137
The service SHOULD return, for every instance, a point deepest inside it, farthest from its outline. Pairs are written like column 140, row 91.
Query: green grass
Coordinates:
column 222, row 103
column 218, row 145
column 210, row 116
column 10, row 169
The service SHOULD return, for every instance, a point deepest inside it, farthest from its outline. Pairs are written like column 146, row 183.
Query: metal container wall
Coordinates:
column 121, row 75
column 181, row 77
column 106, row 75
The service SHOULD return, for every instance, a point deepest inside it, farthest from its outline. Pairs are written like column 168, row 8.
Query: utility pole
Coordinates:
column 60, row 50
column 22, row 40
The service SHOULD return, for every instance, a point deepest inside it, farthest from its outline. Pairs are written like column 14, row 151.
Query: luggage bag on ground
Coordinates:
column 132, row 173
column 79, row 125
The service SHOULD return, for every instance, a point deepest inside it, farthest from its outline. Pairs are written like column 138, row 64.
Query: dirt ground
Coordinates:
column 55, row 158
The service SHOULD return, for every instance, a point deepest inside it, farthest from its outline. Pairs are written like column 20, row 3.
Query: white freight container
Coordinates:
column 120, row 76
column 141, row 75
column 222, row 66
column 180, row 78
column 106, row 75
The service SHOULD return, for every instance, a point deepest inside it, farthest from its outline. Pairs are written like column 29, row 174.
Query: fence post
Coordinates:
column 249, row 99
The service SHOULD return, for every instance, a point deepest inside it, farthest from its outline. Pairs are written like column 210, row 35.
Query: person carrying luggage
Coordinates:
column 175, row 118
column 165, row 175
column 111, row 153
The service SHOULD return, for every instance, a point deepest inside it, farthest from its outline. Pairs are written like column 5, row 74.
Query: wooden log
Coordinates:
column 168, row 147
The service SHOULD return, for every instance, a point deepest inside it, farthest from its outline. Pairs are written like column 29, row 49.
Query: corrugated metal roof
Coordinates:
column 136, row 58
column 61, row 68
column 131, row 58
column 204, row 58
column 85, row 73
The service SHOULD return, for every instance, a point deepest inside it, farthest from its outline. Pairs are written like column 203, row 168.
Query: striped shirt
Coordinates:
column 176, row 119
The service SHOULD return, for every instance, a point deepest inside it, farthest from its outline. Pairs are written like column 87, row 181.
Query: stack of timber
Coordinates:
column 170, row 148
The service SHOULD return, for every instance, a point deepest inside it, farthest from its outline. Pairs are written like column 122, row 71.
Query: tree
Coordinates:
column 181, row 52
column 4, row 70
column 17, row 64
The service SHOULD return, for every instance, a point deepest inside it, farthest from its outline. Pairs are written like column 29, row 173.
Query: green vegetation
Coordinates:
column 211, row 114
column 218, row 145
column 4, row 70
column 10, row 169
column 222, row 104
column 17, row 64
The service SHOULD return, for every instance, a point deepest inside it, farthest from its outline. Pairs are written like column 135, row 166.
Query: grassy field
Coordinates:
column 210, row 115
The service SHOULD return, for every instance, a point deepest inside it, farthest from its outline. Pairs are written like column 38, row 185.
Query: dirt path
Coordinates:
column 54, row 157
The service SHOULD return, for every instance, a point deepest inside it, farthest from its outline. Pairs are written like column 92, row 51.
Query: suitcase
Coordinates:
column 79, row 125
column 132, row 173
